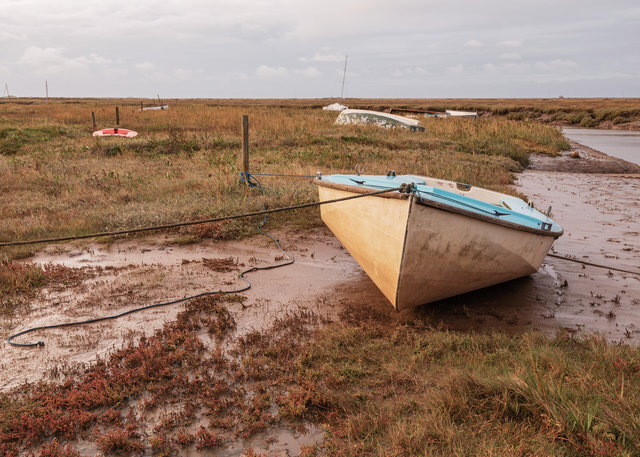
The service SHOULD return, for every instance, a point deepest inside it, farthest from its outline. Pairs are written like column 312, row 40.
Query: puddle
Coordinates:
column 276, row 442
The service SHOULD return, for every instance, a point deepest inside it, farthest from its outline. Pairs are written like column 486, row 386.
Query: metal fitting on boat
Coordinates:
column 406, row 188
column 319, row 175
column 391, row 173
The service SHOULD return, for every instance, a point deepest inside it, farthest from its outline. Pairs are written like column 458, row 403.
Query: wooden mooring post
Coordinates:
column 117, row 116
column 93, row 119
column 245, row 146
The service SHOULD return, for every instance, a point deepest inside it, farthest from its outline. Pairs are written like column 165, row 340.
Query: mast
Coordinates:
column 344, row 75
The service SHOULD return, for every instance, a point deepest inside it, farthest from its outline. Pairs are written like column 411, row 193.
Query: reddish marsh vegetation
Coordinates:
column 378, row 388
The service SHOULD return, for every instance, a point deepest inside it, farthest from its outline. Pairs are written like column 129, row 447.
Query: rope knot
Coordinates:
column 406, row 188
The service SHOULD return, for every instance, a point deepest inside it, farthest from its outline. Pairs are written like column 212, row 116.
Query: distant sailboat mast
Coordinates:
column 344, row 75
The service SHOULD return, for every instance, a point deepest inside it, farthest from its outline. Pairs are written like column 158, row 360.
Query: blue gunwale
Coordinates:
column 444, row 199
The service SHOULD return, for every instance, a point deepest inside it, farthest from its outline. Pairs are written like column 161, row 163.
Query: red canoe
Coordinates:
column 116, row 132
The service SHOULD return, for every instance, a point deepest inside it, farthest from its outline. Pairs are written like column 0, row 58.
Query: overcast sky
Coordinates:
column 297, row 48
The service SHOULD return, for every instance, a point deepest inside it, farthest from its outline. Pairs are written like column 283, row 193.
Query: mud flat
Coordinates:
column 142, row 272
column 589, row 161
column 599, row 212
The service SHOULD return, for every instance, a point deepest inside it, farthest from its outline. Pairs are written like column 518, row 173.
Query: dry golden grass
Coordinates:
column 184, row 164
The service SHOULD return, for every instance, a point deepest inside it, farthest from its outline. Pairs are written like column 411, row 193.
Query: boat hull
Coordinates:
column 447, row 254
column 387, row 120
column 417, row 254
column 376, row 243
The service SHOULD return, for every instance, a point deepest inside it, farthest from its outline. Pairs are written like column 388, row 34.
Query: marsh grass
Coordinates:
column 184, row 164
column 376, row 388
column 420, row 391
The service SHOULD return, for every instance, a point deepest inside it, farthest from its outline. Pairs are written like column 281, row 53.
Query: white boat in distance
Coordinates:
column 437, row 240
column 335, row 107
column 454, row 113
column 362, row 116
column 153, row 108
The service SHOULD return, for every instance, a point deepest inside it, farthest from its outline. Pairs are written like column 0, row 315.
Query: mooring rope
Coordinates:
column 197, row 222
column 265, row 212
column 583, row 262
column 278, row 175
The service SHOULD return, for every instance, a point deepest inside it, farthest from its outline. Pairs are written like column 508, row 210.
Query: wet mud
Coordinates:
column 138, row 273
column 599, row 211
column 588, row 160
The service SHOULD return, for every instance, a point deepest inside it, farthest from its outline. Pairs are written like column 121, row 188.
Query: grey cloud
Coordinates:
column 129, row 48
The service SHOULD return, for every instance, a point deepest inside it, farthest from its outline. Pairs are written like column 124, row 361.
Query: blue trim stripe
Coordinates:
column 524, row 216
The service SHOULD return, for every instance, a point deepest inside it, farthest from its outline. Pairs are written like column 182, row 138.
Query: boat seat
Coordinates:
column 515, row 204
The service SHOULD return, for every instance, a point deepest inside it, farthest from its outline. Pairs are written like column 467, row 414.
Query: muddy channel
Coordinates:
column 599, row 212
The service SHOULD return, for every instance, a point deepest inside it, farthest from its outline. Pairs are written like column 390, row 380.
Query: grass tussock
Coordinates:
column 426, row 392
column 58, row 180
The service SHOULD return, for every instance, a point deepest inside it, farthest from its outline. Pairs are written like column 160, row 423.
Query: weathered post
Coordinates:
column 93, row 119
column 117, row 116
column 245, row 146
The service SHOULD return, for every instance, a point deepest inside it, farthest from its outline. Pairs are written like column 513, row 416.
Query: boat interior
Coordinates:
column 478, row 193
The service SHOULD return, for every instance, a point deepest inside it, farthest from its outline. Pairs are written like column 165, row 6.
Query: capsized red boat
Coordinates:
column 125, row 133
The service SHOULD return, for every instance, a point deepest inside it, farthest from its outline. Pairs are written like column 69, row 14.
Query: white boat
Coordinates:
column 335, row 107
column 151, row 108
column 361, row 116
column 454, row 113
column 438, row 240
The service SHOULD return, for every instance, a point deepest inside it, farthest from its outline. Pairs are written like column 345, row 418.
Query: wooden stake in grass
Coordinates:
column 93, row 119
column 117, row 116
column 245, row 145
